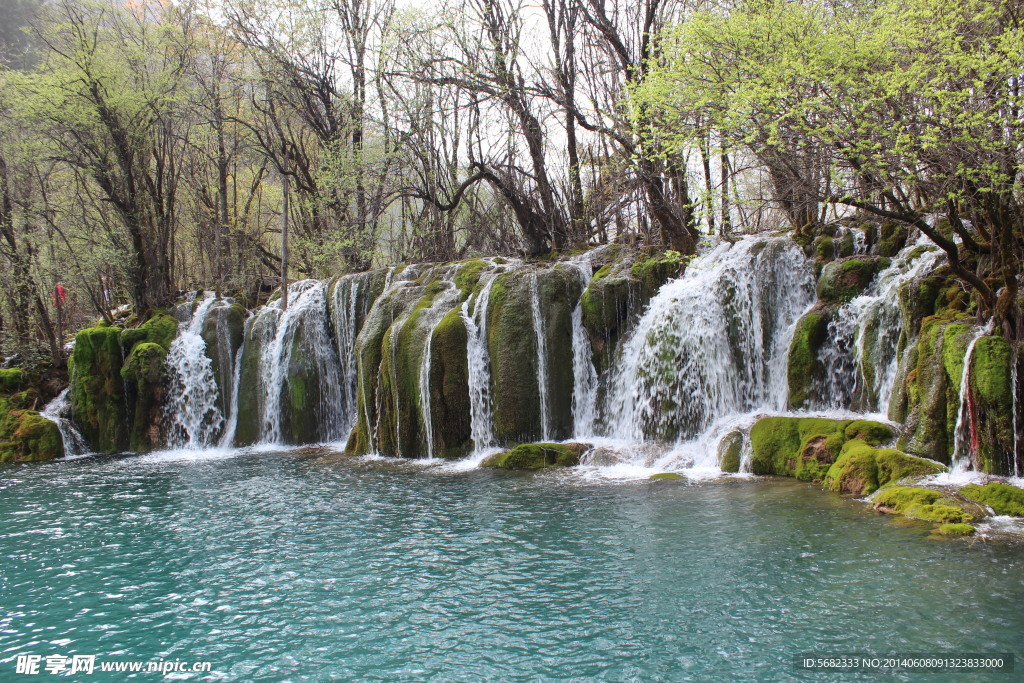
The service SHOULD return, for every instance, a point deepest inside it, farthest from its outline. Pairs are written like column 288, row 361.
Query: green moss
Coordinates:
column 1002, row 498
column 892, row 238
column 160, row 329
column 855, row 471
column 12, row 380
column 894, row 465
column 991, row 384
column 922, row 504
column 955, row 530
column 661, row 476
column 653, row 272
column 803, row 365
column 449, row 387
column 97, row 389
column 824, row 248
column 874, row 433
column 469, row 275
column 535, row 456
column 843, row 280
column 25, row 435
column 145, row 363
column 730, row 452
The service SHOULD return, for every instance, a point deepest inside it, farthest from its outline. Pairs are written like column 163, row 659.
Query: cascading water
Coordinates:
column 348, row 292
column 193, row 416
column 965, row 437
column 860, row 355
column 541, row 346
column 585, row 379
column 712, row 343
column 59, row 411
column 478, row 360
column 306, row 313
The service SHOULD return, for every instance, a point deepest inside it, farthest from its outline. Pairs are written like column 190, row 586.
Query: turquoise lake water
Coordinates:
column 278, row 566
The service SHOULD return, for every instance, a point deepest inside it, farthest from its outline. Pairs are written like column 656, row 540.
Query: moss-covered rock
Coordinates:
column 1002, row 498
column 449, row 388
column 803, row 367
column 730, row 452
column 892, row 237
column 806, row 448
column 666, row 476
column 843, row 280
column 25, row 435
column 991, row 387
column 617, row 294
column 535, row 456
column 160, row 329
column 513, row 348
column 862, row 469
column 12, row 380
column 955, row 530
column 97, row 389
column 144, row 374
column 923, row 504
column 223, row 332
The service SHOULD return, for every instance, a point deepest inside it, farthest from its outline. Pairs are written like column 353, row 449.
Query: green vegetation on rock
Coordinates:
column 955, row 530
column 924, row 504
column 803, row 365
column 842, row 280
column 535, row 456
column 25, row 435
column 1002, row 498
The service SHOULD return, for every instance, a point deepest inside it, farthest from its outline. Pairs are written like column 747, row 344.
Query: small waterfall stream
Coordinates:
column 965, row 436
column 584, row 374
column 860, row 355
column 478, row 359
column 59, row 411
column 193, row 416
column 540, row 335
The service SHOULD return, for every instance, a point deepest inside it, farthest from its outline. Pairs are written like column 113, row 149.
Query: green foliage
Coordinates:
column 536, row 456
column 1002, row 498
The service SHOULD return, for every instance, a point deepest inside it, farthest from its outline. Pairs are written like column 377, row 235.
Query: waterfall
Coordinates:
column 965, row 436
column 860, row 356
column 228, row 438
column 59, row 411
column 346, row 328
column 428, row 421
column 1014, row 369
column 712, row 343
column 478, row 362
column 193, row 417
column 585, row 379
column 303, row 327
column 542, row 358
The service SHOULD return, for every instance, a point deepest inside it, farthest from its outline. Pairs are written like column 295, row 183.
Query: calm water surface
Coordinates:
column 275, row 566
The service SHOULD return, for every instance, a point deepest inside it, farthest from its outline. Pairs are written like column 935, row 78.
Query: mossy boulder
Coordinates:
column 144, row 374
column 803, row 367
column 12, row 380
column 666, row 476
column 1002, row 498
column 25, row 435
column 862, row 469
column 160, row 329
column 845, row 279
column 892, row 237
column 955, row 530
column 923, row 504
column 806, row 448
column 730, row 452
column 932, row 388
column 97, row 389
column 536, row 456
